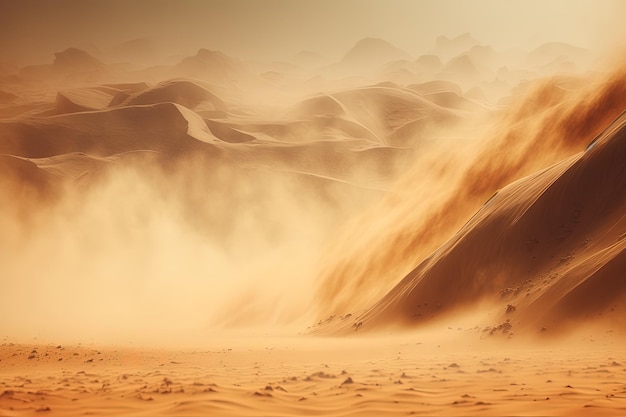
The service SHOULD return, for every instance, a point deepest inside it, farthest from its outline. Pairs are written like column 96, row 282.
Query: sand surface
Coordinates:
column 300, row 376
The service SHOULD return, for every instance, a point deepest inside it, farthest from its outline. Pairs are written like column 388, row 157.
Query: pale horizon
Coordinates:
column 279, row 29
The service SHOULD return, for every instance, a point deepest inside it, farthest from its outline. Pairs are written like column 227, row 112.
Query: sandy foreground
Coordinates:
column 316, row 376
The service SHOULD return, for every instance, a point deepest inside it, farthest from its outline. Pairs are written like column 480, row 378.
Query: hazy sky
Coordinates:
column 274, row 28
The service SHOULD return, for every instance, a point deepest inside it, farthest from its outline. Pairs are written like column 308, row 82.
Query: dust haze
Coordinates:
column 132, row 259
column 282, row 205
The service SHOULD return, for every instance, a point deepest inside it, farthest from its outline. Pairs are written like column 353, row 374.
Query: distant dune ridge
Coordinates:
column 74, row 59
column 209, row 64
column 370, row 52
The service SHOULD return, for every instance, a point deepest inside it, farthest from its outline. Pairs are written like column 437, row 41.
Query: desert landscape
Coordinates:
column 326, row 208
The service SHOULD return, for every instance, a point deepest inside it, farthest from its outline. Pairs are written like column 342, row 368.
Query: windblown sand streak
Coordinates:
column 408, row 226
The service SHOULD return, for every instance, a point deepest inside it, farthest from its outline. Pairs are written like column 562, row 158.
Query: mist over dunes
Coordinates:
column 220, row 208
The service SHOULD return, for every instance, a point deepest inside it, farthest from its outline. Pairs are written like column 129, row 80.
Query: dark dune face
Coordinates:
column 551, row 245
column 547, row 126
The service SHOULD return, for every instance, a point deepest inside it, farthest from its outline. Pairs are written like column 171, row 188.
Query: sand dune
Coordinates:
column 429, row 64
column 393, row 244
column 84, row 99
column 210, row 65
column 548, row 52
column 183, row 92
column 366, row 120
column 334, row 156
column 338, row 134
column 367, row 55
column 72, row 66
column 464, row 71
column 448, row 47
column 452, row 100
column 76, row 60
column 384, row 110
column 548, row 249
column 436, row 86
column 164, row 127
column 319, row 106
column 22, row 176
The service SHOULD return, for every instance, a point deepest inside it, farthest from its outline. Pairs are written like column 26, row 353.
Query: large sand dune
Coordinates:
column 548, row 250
column 422, row 214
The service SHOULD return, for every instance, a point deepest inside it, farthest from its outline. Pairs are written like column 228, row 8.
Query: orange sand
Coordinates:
column 285, row 377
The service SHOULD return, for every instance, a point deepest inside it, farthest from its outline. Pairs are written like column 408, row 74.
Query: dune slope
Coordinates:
column 548, row 250
column 437, row 197
column 165, row 127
